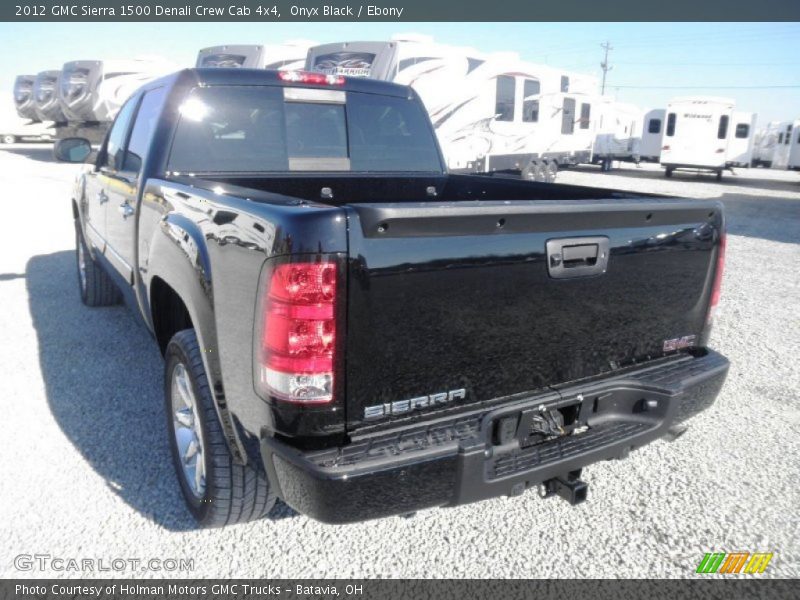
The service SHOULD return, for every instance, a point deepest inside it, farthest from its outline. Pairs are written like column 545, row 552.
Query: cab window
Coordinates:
column 114, row 154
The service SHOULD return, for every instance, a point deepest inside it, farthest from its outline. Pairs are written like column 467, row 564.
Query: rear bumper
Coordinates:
column 457, row 460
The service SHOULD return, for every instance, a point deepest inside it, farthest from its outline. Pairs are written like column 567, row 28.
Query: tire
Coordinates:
column 533, row 172
column 224, row 492
column 719, row 175
column 94, row 285
column 9, row 139
column 668, row 172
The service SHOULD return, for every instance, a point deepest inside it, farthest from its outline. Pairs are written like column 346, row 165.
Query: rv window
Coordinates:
column 722, row 130
column 780, row 138
column 530, row 102
column 743, row 131
column 671, row 124
column 798, row 137
column 568, row 116
column 654, row 126
column 586, row 111
column 504, row 107
column 564, row 84
column 788, row 137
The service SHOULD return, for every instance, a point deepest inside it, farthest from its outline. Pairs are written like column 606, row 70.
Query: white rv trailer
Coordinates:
column 289, row 56
column 14, row 128
column 794, row 153
column 741, row 139
column 617, row 132
column 95, row 90
column 696, row 134
column 491, row 112
column 787, row 131
column 765, row 144
column 45, row 97
column 652, row 134
column 23, row 97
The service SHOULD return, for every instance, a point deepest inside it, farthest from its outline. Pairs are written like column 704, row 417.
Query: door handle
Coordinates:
column 101, row 197
column 126, row 209
column 577, row 257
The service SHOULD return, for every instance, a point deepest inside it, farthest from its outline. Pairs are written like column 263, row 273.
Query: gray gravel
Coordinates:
column 85, row 469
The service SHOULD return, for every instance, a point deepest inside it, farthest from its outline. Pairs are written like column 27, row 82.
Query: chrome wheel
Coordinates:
column 188, row 431
column 81, row 265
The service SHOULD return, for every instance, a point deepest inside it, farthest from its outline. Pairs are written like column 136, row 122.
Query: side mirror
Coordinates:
column 73, row 150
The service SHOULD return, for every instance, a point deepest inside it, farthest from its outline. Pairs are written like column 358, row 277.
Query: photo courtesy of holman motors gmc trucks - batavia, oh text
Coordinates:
column 351, row 328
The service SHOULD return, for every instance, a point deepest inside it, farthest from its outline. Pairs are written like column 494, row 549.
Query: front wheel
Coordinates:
column 668, row 172
column 9, row 139
column 94, row 284
column 719, row 175
column 218, row 491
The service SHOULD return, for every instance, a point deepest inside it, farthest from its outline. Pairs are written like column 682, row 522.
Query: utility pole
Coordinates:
column 604, row 65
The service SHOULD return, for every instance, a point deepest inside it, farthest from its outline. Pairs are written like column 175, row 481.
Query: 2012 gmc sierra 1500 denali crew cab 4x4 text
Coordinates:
column 349, row 328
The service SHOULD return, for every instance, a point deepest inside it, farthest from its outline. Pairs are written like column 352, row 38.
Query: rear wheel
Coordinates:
column 94, row 284
column 217, row 490
column 668, row 172
column 535, row 171
column 719, row 175
column 9, row 139
column 551, row 171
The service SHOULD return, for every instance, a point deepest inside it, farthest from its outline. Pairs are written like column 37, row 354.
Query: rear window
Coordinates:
column 654, row 126
column 254, row 129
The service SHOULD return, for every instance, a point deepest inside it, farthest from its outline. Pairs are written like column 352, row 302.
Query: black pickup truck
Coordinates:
column 351, row 329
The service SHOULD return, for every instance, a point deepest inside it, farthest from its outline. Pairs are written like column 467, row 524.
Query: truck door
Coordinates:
column 97, row 191
column 124, row 185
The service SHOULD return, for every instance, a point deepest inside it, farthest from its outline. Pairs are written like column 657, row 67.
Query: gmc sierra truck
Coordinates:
column 348, row 327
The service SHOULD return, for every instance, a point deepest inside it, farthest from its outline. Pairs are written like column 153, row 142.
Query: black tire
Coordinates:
column 232, row 493
column 534, row 171
column 551, row 171
column 719, row 175
column 9, row 139
column 95, row 285
column 668, row 172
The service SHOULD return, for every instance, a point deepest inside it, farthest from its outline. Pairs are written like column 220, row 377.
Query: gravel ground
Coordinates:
column 85, row 469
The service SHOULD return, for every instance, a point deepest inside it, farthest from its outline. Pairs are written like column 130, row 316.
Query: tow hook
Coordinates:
column 570, row 488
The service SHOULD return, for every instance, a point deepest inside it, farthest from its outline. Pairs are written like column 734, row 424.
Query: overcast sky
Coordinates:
column 758, row 64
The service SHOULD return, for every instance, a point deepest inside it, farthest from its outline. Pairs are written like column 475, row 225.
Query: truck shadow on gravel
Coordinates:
column 103, row 377
column 42, row 153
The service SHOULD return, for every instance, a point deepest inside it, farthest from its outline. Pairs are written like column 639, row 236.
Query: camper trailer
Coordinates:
column 652, row 135
column 492, row 112
column 794, row 152
column 23, row 97
column 618, row 133
column 741, row 139
column 288, row 56
column 45, row 97
column 696, row 134
column 95, row 90
column 765, row 144
column 782, row 154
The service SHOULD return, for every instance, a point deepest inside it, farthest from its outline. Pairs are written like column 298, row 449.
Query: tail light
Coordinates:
column 716, row 289
column 297, row 332
column 665, row 148
column 720, row 150
column 310, row 77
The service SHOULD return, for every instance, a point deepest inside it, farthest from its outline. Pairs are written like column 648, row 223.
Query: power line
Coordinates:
column 604, row 65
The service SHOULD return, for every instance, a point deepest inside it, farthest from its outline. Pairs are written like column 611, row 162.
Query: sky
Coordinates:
column 757, row 64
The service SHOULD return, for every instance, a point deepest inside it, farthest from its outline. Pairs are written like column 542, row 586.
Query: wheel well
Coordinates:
column 168, row 311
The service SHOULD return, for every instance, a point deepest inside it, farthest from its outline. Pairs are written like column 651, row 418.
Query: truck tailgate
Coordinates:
column 444, row 297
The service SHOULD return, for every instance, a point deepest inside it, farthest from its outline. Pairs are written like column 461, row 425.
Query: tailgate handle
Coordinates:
column 577, row 257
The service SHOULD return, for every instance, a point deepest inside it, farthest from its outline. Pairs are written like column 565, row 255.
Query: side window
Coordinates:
column 654, row 126
column 722, row 130
column 530, row 101
column 788, row 137
column 504, row 106
column 564, row 84
column 114, row 155
column 780, row 138
column 742, row 131
column 586, row 113
column 143, row 127
column 798, row 137
column 568, row 116
column 671, row 124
